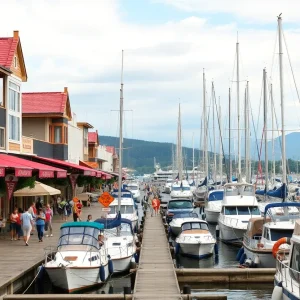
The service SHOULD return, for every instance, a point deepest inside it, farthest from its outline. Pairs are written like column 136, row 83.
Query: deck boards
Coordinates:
column 156, row 277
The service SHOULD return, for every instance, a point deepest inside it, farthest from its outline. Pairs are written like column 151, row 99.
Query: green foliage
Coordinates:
column 23, row 182
column 56, row 181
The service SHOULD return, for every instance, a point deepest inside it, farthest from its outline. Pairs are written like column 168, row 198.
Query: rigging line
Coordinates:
column 259, row 109
column 221, row 140
column 290, row 63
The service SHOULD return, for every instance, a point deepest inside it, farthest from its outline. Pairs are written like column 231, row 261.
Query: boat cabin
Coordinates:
column 79, row 236
column 197, row 226
column 294, row 263
column 240, row 210
column 239, row 189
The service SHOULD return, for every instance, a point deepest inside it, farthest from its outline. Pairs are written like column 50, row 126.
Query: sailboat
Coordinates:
column 180, row 188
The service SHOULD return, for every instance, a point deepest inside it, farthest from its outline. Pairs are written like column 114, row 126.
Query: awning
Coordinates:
column 40, row 189
column 24, row 167
column 99, row 173
column 65, row 164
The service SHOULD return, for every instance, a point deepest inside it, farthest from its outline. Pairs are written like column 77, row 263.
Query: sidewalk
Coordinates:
column 16, row 258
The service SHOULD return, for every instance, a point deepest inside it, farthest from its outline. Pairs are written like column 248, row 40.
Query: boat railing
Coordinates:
column 49, row 253
column 290, row 278
column 232, row 221
column 252, row 242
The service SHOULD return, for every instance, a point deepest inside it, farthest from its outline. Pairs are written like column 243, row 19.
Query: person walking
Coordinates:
column 48, row 220
column 13, row 224
column 27, row 223
column 40, row 224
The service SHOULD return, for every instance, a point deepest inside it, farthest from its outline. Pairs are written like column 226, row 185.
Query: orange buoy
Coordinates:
column 280, row 242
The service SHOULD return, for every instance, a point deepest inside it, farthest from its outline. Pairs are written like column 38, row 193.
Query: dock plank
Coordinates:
column 156, row 277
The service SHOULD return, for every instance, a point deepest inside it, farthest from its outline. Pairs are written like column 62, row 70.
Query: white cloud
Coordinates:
column 79, row 46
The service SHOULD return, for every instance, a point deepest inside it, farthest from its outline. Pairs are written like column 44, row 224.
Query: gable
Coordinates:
column 19, row 70
column 67, row 111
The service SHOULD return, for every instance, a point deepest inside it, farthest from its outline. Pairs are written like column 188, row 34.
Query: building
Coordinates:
column 46, row 116
column 85, row 128
column 12, row 74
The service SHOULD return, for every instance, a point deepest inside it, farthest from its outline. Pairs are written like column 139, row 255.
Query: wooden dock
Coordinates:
column 156, row 276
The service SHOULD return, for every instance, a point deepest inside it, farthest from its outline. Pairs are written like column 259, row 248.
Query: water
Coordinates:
column 225, row 259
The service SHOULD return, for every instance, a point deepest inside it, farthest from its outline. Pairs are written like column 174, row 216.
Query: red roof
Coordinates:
column 8, row 48
column 93, row 137
column 44, row 103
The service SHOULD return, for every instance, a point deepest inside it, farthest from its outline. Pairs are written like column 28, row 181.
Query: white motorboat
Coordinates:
column 127, row 210
column 133, row 187
column 195, row 240
column 213, row 206
column 262, row 233
column 80, row 262
column 287, row 276
column 120, row 242
column 168, row 186
column 179, row 219
column 181, row 190
column 238, row 206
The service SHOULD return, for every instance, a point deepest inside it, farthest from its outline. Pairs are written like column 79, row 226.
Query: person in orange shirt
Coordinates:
column 155, row 206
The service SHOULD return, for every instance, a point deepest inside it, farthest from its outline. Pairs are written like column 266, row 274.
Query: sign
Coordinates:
column 23, row 172
column 46, row 174
column 2, row 172
column 89, row 173
column 10, row 182
column 105, row 199
column 106, row 209
column 73, row 179
column 27, row 145
column 61, row 174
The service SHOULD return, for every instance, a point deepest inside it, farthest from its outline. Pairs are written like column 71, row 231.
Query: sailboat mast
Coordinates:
column 214, row 132
column 220, row 145
column 180, row 166
column 238, row 107
column 205, row 127
column 273, row 142
column 266, row 132
column 247, row 134
column 282, row 102
column 193, row 158
column 121, row 139
column 229, row 140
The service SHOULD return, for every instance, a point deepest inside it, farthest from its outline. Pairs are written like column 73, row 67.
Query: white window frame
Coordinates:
column 4, row 139
column 2, row 92
column 14, row 113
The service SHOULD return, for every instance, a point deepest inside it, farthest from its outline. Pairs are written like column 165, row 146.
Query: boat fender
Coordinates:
column 136, row 257
column 256, row 262
column 276, row 246
column 177, row 248
column 203, row 216
column 240, row 253
column 249, row 263
column 277, row 292
column 102, row 273
column 41, row 272
column 216, row 249
column 110, row 266
column 217, row 231
column 243, row 258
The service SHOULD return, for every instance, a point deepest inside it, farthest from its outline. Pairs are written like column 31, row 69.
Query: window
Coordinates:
column 85, row 137
column 2, row 138
column 14, row 128
column 180, row 204
column 15, row 62
column 276, row 234
column 14, row 97
column 1, row 92
column 230, row 211
column 57, row 134
column 66, row 134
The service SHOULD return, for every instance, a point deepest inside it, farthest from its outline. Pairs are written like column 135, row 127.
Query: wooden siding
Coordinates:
column 16, row 71
column 14, row 147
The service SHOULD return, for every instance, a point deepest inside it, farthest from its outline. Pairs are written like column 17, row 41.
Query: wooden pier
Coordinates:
column 156, row 276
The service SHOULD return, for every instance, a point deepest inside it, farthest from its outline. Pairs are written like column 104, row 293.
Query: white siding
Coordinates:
column 103, row 154
column 75, row 141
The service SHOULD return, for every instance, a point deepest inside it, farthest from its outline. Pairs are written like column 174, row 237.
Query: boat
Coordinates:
column 133, row 187
column 179, row 219
column 79, row 262
column 181, row 190
column 287, row 276
column 168, row 186
column 238, row 206
column 120, row 242
column 195, row 240
column 213, row 206
column 262, row 233
column 178, row 206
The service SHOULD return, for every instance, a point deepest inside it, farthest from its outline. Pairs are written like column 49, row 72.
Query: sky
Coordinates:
column 167, row 44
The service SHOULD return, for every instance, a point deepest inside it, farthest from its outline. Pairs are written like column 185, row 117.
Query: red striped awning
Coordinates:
column 24, row 167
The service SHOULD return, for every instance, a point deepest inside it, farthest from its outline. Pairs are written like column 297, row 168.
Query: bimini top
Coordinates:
column 110, row 223
column 281, row 204
column 83, row 224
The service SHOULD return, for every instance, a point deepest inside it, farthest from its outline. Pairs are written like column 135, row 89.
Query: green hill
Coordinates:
column 139, row 155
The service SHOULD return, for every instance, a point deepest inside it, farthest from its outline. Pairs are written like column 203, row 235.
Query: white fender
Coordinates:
column 277, row 293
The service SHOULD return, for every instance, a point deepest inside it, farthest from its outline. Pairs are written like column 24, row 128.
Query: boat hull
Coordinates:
column 175, row 230
column 230, row 234
column 212, row 216
column 74, row 279
column 265, row 258
column 121, row 264
column 196, row 250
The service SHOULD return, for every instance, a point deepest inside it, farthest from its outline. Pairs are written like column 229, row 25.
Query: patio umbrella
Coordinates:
column 40, row 189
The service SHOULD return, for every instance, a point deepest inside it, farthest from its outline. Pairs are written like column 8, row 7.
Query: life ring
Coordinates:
column 276, row 246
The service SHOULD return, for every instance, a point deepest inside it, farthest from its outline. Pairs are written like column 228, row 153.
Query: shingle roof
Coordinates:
column 93, row 137
column 8, row 48
column 43, row 103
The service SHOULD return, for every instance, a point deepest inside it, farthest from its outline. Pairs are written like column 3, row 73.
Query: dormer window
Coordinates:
column 15, row 62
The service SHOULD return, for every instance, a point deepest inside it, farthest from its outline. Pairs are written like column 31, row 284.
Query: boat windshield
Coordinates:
column 241, row 210
column 125, row 209
column 180, row 204
column 84, row 237
column 215, row 196
column 176, row 188
column 124, row 227
column 193, row 225
column 277, row 233
column 186, row 188
column 243, row 190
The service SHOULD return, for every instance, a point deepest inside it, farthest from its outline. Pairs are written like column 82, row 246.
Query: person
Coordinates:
column 48, row 220
column 19, row 231
column 40, row 224
column 101, row 239
column 89, row 218
column 38, row 204
column 75, row 216
column 13, row 224
column 78, row 209
column 155, row 206
column 27, row 223
column 67, row 210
